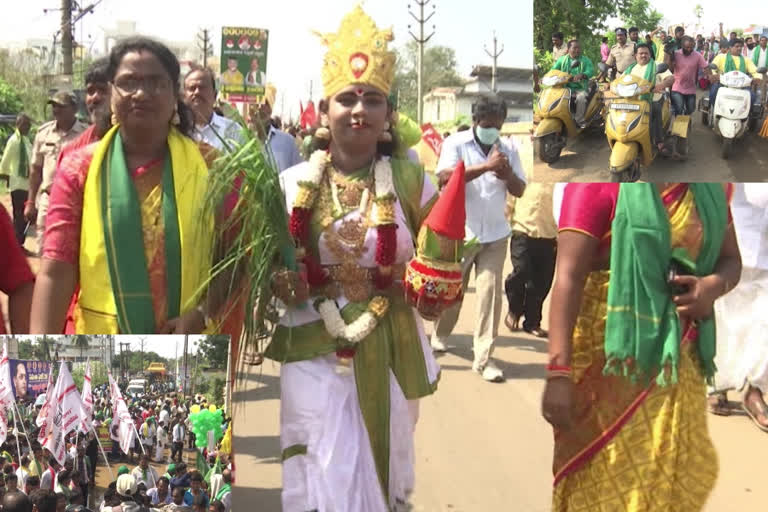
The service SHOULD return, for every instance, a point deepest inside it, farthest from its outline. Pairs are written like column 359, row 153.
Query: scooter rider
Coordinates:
column 733, row 61
column 646, row 69
column 581, row 73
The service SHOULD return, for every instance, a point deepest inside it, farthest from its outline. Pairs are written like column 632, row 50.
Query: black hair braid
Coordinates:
column 186, row 118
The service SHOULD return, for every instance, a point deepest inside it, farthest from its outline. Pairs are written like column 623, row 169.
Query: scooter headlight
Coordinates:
column 626, row 90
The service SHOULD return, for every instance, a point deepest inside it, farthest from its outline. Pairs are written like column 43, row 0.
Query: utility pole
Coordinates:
column 495, row 56
column 123, row 347
column 66, row 35
column 421, row 40
column 184, row 382
column 204, row 45
column 142, row 341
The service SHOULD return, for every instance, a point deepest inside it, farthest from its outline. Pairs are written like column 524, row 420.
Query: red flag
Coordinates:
column 308, row 116
column 431, row 138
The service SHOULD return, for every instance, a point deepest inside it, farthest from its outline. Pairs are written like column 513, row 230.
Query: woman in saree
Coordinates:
column 632, row 343
column 127, row 222
column 355, row 359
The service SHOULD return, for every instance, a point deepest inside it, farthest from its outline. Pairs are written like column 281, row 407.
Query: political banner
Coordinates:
column 243, row 63
column 29, row 378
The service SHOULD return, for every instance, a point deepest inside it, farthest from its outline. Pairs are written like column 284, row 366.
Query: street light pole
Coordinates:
column 421, row 40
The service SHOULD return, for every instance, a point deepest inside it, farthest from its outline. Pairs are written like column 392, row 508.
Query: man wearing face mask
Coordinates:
column 685, row 66
column 493, row 169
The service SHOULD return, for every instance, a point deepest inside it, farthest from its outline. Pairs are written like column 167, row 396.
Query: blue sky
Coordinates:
column 295, row 57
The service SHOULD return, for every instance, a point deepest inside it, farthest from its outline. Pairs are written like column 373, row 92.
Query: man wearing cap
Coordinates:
column 200, row 97
column 280, row 146
column 622, row 54
column 126, row 488
column 50, row 139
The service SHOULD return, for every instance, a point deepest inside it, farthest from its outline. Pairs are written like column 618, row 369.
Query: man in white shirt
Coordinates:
column 178, row 440
column 162, row 441
column 200, row 97
column 144, row 473
column 493, row 169
column 281, row 147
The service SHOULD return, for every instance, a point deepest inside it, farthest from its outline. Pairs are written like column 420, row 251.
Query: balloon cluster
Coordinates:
column 204, row 421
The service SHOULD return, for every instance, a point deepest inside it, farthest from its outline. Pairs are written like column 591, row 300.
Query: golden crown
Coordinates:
column 357, row 54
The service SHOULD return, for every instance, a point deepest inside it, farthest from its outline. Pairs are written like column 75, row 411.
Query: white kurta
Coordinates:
column 320, row 410
column 742, row 325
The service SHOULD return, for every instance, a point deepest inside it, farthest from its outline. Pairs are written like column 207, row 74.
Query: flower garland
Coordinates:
column 386, row 249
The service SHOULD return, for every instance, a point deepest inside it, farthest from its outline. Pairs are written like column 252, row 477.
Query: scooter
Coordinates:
column 628, row 127
column 556, row 110
column 733, row 112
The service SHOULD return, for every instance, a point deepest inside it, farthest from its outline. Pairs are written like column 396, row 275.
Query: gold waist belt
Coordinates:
column 354, row 281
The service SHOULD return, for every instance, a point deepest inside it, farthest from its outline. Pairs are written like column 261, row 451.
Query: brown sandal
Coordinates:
column 753, row 416
column 720, row 405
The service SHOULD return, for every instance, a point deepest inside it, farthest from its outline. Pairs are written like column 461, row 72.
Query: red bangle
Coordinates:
column 558, row 368
column 27, row 203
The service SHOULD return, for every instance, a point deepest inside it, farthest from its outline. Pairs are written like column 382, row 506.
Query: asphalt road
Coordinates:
column 585, row 159
column 479, row 446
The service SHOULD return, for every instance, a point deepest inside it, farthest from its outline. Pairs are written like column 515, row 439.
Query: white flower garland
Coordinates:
column 336, row 327
column 328, row 310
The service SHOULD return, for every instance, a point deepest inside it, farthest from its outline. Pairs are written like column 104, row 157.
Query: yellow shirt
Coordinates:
column 639, row 71
column 719, row 61
column 232, row 77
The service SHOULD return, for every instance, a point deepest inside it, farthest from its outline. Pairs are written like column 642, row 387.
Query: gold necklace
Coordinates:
column 350, row 192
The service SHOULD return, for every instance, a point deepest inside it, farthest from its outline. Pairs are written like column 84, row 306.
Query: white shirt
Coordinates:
column 164, row 416
column 22, row 475
column 150, row 481
column 282, row 149
column 486, row 195
column 178, row 433
column 225, row 128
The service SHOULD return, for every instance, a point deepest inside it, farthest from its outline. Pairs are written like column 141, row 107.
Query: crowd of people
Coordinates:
column 32, row 477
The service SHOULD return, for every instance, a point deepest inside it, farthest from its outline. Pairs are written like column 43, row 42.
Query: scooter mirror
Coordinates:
column 575, row 64
column 661, row 67
column 762, row 69
column 713, row 67
column 602, row 67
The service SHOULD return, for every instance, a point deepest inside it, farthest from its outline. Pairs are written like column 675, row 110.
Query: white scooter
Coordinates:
column 733, row 112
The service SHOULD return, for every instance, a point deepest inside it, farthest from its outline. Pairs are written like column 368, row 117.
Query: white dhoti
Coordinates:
column 159, row 451
column 320, row 411
column 742, row 334
column 742, row 325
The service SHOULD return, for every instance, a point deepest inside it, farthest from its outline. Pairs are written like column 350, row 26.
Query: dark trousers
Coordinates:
column 84, row 490
column 683, row 103
column 177, row 448
column 18, row 198
column 527, row 286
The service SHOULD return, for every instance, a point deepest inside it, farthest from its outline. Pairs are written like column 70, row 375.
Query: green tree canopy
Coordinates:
column 439, row 71
column 640, row 14
column 214, row 350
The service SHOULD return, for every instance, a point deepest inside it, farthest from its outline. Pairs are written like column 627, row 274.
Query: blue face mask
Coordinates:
column 487, row 136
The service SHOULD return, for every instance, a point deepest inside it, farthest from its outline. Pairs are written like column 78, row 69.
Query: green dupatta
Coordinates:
column 121, row 212
column 731, row 66
column 23, row 168
column 650, row 76
column 643, row 332
column 756, row 54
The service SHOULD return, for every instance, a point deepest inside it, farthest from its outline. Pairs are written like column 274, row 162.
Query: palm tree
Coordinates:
column 82, row 342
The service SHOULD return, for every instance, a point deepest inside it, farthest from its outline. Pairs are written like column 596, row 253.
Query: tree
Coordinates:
column 82, row 342
column 214, row 349
column 639, row 13
column 27, row 72
column 439, row 71
column 698, row 11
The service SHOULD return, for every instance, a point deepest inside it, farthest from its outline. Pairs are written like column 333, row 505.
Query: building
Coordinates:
column 100, row 348
column 184, row 50
column 444, row 104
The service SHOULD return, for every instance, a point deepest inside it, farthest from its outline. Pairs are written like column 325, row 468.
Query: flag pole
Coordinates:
column 16, row 433
column 154, row 483
column 23, row 430
column 111, row 475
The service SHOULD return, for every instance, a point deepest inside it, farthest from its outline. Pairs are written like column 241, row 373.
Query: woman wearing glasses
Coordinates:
column 125, row 221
